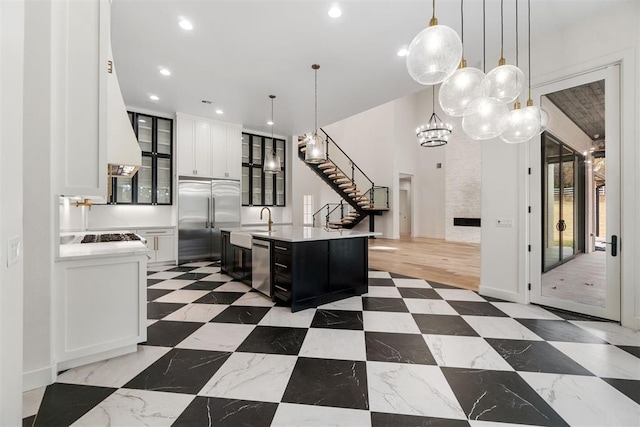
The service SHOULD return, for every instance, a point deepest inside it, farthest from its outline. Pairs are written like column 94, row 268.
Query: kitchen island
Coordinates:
column 308, row 266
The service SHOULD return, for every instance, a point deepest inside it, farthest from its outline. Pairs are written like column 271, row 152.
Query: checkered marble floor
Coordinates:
column 408, row 353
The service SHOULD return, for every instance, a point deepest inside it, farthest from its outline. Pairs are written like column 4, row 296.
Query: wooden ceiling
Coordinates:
column 584, row 105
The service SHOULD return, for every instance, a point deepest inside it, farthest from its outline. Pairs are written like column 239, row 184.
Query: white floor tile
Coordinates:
column 459, row 295
column 282, row 316
column 196, row 264
column 184, row 296
column 500, row 327
column 165, row 275
column 378, row 321
column 602, row 359
column 379, row 275
column 347, row 304
column 158, row 268
column 525, row 311
column 171, row 284
column 114, row 372
column 254, row 299
column 411, row 283
column 31, row 401
column 207, row 270
column 217, row 336
column 233, row 287
column 133, row 408
column 583, row 400
column 479, row 423
column 251, row 376
column 217, row 277
column 383, row 292
column 465, row 352
column 151, row 322
column 411, row 390
column 429, row 306
column 611, row 332
column 290, row 414
column 334, row 344
column 196, row 312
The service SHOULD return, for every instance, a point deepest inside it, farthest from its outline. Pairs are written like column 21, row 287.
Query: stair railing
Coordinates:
column 328, row 213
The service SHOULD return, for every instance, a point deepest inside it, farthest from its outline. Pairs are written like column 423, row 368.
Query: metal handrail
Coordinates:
column 353, row 164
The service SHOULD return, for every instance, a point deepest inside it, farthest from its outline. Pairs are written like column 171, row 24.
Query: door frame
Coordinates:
column 407, row 178
column 611, row 75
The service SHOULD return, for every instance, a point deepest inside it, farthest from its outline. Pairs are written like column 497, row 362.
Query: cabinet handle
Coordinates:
column 156, row 232
column 280, row 288
column 282, row 248
column 277, row 264
column 155, row 243
column 110, row 67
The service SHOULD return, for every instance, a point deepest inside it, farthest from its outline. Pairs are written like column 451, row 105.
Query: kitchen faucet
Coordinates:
column 270, row 223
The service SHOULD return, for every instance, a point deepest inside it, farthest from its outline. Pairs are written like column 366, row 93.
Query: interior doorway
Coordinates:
column 405, row 205
column 575, row 196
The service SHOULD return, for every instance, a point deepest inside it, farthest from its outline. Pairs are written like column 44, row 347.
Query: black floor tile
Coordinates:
column 219, row 297
column 374, row 281
column 169, row 334
column 476, row 308
column 422, row 293
column 379, row 419
column 384, row 304
column 211, row 411
column 337, row 319
column 400, row 276
column 153, row 294
column 181, row 269
column 559, row 330
column 180, row 371
column 241, row 314
column 631, row 349
column 499, row 396
column 324, row 382
column 151, row 282
column 64, row 404
column 437, row 285
column 630, row 388
column 536, row 356
column 399, row 348
column 443, row 325
column 492, row 299
column 29, row 421
column 192, row 276
column 568, row 315
column 274, row 340
column 204, row 286
column 158, row 310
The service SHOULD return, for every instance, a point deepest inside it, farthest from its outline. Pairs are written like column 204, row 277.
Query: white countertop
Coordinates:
column 73, row 251
column 290, row 233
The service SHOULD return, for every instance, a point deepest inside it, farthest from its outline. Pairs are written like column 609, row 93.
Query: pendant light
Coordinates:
column 538, row 112
column 505, row 82
column 464, row 85
column 272, row 160
column 522, row 124
column 434, row 54
column 485, row 117
column 435, row 132
column 316, row 145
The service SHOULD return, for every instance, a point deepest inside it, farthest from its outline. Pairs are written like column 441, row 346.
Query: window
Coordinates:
column 153, row 184
column 307, row 210
column 258, row 188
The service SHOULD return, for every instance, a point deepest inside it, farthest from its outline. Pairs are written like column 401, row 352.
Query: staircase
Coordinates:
column 360, row 197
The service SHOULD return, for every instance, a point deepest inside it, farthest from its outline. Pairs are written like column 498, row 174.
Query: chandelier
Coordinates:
column 316, row 146
column 272, row 160
column 435, row 132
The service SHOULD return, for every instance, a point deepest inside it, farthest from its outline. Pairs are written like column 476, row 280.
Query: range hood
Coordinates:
column 124, row 156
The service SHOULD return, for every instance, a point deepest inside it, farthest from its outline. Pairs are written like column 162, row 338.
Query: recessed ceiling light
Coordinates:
column 165, row 72
column 270, row 123
column 142, row 121
column 335, row 11
column 153, row 97
column 219, row 111
column 185, row 24
column 402, row 52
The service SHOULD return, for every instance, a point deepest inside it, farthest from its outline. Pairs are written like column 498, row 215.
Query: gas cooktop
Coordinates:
column 110, row 237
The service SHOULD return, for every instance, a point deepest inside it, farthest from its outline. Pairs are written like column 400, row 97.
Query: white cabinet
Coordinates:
column 80, row 63
column 208, row 149
column 162, row 243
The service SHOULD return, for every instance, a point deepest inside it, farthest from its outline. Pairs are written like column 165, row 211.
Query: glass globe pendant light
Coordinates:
column 316, row 145
column 464, row 85
column 434, row 54
column 435, row 132
column 272, row 160
column 505, row 82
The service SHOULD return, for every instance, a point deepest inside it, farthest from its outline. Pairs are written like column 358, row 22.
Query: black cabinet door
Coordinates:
column 310, row 274
column 227, row 254
column 347, row 263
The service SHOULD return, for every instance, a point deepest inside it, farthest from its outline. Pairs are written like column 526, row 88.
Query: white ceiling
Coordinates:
column 240, row 52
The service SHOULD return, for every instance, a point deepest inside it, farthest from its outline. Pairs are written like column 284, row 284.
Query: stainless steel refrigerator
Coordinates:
column 204, row 207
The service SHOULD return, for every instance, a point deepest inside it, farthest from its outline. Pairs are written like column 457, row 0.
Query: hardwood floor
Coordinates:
column 451, row 263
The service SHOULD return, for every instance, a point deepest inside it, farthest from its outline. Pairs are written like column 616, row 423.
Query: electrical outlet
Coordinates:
column 504, row 222
column 13, row 250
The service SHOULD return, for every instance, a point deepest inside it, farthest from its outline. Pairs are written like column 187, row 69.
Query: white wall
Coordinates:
column 11, row 222
column 573, row 50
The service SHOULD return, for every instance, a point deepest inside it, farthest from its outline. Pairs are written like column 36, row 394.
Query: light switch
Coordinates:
column 504, row 222
column 13, row 250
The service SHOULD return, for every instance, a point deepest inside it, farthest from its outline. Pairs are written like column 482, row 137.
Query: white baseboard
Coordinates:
column 39, row 378
column 502, row 294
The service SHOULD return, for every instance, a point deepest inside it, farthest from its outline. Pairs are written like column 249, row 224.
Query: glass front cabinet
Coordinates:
column 259, row 188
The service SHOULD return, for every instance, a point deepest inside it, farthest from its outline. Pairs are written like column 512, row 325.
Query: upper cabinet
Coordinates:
column 207, row 148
